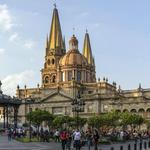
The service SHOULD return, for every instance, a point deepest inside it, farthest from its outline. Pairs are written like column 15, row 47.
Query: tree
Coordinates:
column 81, row 122
column 60, row 120
column 94, row 121
column 38, row 116
column 110, row 119
column 125, row 119
column 131, row 119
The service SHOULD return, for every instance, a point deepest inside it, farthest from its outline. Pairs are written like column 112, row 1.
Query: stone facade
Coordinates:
column 67, row 73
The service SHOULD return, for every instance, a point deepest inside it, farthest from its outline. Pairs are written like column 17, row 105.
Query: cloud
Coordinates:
column 13, row 37
column 6, row 20
column 10, row 82
column 29, row 44
column 2, row 50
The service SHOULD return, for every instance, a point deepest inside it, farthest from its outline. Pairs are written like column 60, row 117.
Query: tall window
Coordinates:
column 48, row 62
column 53, row 61
column 46, row 79
column 78, row 75
column 62, row 77
column 87, row 77
column 54, row 79
column 69, row 75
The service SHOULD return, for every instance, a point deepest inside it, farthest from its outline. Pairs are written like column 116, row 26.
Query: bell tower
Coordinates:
column 55, row 49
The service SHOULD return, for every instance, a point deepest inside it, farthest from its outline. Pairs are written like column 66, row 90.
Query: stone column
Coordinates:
column 15, row 116
column 4, row 125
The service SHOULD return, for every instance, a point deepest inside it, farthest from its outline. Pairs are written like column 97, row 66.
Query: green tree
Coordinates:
column 110, row 119
column 81, row 122
column 94, row 121
column 59, row 121
column 131, row 119
column 38, row 116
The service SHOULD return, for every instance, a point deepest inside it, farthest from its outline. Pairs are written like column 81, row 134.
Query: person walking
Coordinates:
column 63, row 137
column 9, row 134
column 77, row 139
column 89, row 138
column 56, row 135
column 68, row 140
column 95, row 139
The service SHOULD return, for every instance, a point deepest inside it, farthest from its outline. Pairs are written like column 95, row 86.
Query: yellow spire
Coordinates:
column 47, row 45
column 87, row 52
column 47, row 42
column 64, row 44
column 55, row 38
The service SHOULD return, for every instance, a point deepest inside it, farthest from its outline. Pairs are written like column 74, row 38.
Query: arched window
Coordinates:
column 78, row 75
column 148, row 113
column 46, row 79
column 141, row 112
column 133, row 111
column 53, row 61
column 48, row 62
column 117, row 110
column 125, row 110
column 54, row 79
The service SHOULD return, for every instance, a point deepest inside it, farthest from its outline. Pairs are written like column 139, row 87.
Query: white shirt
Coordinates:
column 77, row 135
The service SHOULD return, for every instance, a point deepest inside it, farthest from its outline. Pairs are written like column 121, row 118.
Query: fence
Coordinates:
column 141, row 144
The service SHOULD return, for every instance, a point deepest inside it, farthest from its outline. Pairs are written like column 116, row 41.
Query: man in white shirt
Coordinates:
column 77, row 138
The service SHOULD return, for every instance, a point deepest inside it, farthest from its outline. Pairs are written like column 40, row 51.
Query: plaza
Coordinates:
column 15, row 145
column 80, row 100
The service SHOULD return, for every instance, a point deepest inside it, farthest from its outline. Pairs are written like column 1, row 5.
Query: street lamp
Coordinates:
column 30, row 110
column 77, row 107
column 29, row 102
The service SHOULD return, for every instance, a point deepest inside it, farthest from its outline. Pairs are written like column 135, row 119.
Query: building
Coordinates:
column 67, row 72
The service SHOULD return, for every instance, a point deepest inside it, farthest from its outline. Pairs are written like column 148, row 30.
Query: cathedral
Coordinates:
column 66, row 73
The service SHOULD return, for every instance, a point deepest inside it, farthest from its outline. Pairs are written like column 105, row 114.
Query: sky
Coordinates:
column 119, row 33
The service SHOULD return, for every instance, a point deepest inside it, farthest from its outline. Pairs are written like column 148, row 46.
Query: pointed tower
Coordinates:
column 55, row 37
column 54, row 51
column 64, row 45
column 87, row 52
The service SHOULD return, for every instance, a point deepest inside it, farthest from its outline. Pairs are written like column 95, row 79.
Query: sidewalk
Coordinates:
column 15, row 145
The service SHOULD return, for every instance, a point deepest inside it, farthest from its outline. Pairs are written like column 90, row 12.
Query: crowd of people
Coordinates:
column 78, row 138
column 15, row 133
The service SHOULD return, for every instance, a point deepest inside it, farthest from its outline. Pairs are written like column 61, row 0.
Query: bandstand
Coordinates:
column 9, row 105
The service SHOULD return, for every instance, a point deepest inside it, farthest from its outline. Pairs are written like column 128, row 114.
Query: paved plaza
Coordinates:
column 14, row 145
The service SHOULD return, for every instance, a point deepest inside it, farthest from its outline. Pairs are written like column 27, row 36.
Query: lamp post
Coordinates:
column 77, row 107
column 30, row 121
column 29, row 102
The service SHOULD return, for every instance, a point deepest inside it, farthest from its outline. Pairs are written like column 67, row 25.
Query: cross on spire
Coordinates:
column 55, row 5
column 73, row 30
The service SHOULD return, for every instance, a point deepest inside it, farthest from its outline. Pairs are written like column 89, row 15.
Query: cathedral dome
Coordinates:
column 73, row 57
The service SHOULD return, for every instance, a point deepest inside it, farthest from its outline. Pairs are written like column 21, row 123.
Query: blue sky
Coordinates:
column 119, row 33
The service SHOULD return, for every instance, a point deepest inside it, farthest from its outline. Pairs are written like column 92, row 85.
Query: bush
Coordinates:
column 104, row 141
column 2, row 130
column 26, row 140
